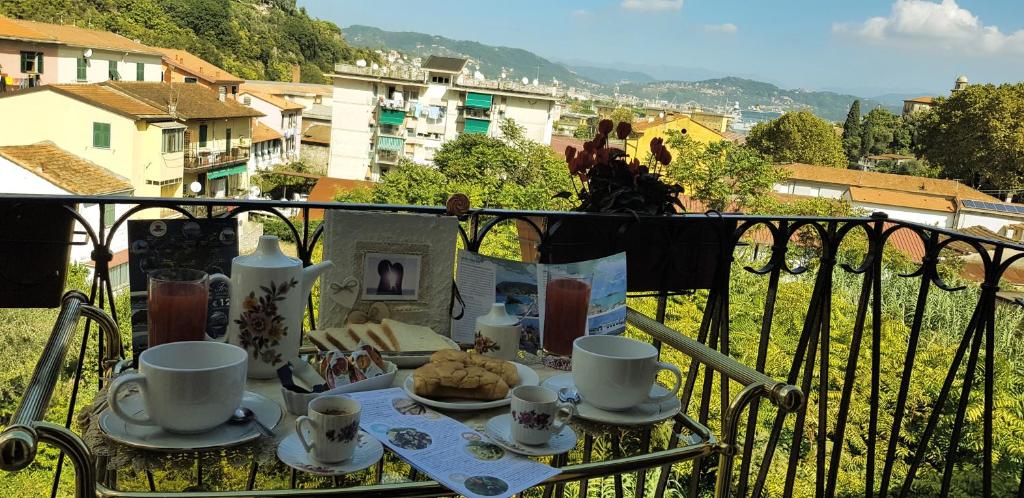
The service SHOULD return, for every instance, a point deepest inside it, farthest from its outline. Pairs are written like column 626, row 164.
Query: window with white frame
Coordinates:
column 173, row 140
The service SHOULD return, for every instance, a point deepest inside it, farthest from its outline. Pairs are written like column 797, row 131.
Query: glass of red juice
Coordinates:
column 177, row 305
column 566, row 302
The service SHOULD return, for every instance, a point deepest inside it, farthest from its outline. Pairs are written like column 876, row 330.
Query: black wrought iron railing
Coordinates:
column 903, row 398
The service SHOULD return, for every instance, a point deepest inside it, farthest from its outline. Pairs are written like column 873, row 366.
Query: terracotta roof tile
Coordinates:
column 327, row 187
column 107, row 98
column 904, row 199
column 65, row 170
column 65, row 34
column 317, row 135
column 886, row 181
column 263, row 133
column 273, row 100
column 560, row 142
column 922, row 100
column 194, row 101
column 196, row 66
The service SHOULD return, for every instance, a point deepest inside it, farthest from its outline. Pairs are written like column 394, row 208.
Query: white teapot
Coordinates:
column 269, row 291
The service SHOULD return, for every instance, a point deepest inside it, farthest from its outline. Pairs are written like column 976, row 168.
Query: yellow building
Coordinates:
column 97, row 123
column 648, row 130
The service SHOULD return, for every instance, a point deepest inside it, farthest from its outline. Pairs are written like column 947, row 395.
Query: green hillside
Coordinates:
column 254, row 39
column 726, row 91
column 488, row 59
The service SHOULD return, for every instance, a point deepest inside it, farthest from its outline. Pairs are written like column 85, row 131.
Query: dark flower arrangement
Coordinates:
column 610, row 184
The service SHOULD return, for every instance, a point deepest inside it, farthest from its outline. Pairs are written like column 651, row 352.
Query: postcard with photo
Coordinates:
column 391, row 277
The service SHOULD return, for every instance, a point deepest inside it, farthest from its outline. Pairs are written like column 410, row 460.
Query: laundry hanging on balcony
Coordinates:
column 393, row 144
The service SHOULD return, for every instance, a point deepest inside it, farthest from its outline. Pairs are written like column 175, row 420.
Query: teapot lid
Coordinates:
column 268, row 255
column 498, row 317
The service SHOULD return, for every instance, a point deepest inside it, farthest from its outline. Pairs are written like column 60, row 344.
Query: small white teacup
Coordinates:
column 333, row 423
column 537, row 414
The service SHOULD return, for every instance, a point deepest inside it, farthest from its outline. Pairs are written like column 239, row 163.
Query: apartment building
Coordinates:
column 34, row 53
column 217, row 138
column 180, row 66
column 381, row 115
column 314, row 98
column 280, row 129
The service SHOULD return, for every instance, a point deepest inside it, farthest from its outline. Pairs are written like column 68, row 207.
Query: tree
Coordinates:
column 851, row 133
column 622, row 115
column 798, row 137
column 720, row 173
column 913, row 167
column 977, row 135
column 511, row 172
column 879, row 132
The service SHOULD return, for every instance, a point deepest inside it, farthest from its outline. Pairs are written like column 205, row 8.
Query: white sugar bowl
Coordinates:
column 497, row 334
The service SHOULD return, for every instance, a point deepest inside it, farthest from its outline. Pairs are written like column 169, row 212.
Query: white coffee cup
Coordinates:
column 333, row 423
column 537, row 414
column 616, row 373
column 186, row 387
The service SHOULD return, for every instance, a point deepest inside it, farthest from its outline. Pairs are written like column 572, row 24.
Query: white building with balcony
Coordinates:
column 381, row 115
column 277, row 135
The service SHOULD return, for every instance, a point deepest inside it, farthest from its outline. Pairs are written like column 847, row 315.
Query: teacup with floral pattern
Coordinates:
column 537, row 414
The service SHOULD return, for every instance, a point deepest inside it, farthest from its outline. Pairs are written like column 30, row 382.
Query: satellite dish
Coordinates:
column 478, row 75
column 536, row 82
column 361, row 63
column 255, row 191
column 526, row 81
column 195, row 187
column 87, row 53
column 375, row 66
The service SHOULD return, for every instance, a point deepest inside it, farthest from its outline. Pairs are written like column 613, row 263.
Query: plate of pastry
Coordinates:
column 460, row 381
column 406, row 345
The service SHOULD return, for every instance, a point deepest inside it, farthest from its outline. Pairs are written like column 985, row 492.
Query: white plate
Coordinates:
column 642, row 414
column 527, row 377
column 499, row 430
column 368, row 452
column 151, row 437
column 413, row 361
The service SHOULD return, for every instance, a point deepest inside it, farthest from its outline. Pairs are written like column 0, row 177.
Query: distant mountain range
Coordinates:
column 517, row 63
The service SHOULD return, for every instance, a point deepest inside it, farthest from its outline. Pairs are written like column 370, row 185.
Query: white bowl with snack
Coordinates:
column 460, row 381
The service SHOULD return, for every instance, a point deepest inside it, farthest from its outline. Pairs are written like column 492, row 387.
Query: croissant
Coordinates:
column 502, row 368
column 452, row 379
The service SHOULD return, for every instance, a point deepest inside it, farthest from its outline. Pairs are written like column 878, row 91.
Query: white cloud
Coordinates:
column 727, row 28
column 652, row 4
column 580, row 13
column 944, row 25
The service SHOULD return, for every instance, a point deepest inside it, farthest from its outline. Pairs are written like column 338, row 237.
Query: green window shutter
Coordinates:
column 82, row 69
column 227, row 141
column 478, row 100
column 112, row 71
column 24, row 61
column 394, row 144
column 101, row 135
column 390, row 117
column 140, row 71
column 39, row 62
column 476, row 126
column 203, row 131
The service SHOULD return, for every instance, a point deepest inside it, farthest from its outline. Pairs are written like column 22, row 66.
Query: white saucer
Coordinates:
column 527, row 377
column 151, row 437
column 499, row 430
column 368, row 452
column 642, row 414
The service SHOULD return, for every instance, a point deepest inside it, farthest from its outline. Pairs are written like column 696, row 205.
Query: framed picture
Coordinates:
column 404, row 261
column 391, row 277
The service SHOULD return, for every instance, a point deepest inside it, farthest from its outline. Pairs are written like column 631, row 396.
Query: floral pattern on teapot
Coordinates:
column 261, row 327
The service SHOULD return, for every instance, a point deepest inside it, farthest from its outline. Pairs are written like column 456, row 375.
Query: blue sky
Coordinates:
column 865, row 46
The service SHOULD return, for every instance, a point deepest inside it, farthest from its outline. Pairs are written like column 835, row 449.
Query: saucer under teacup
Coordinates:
column 368, row 452
column 641, row 414
column 153, row 438
column 499, row 430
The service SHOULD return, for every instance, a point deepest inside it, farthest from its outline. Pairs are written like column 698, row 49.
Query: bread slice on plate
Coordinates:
column 389, row 335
